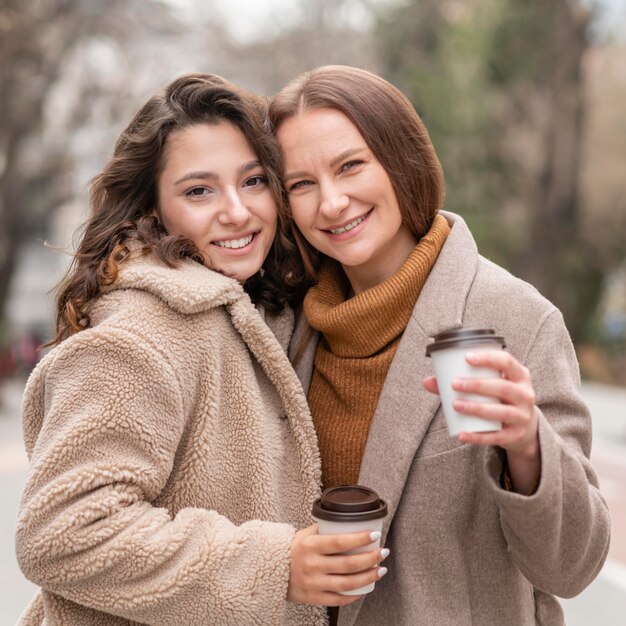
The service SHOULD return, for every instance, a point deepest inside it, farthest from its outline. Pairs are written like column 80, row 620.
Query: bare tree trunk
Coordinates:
column 556, row 255
column 36, row 38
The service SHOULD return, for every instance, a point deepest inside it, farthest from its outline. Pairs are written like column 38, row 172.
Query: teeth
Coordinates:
column 234, row 243
column 347, row 227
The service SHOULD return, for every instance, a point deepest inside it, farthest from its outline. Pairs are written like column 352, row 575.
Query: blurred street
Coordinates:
column 603, row 603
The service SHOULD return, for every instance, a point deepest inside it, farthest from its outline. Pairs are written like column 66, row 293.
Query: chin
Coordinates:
column 240, row 275
column 354, row 261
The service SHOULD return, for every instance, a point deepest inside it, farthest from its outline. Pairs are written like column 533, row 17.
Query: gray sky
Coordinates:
column 250, row 19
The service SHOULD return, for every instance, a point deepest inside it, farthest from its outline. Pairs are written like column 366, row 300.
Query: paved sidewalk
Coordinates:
column 15, row 590
column 603, row 603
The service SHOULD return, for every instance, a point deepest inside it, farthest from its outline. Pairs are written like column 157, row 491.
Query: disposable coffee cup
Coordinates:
column 351, row 509
column 448, row 352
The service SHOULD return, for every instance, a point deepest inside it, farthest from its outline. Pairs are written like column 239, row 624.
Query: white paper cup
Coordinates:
column 448, row 353
column 351, row 509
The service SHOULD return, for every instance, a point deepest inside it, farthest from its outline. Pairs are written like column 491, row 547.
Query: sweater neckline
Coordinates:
column 362, row 325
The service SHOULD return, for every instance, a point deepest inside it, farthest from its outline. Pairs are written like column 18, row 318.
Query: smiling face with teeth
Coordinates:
column 213, row 190
column 341, row 197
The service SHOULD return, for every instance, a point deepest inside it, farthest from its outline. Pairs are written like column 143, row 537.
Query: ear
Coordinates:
column 155, row 213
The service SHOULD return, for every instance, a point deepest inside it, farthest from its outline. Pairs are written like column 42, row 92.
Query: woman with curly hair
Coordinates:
column 173, row 461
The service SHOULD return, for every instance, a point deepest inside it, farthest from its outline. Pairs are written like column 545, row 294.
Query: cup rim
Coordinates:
column 463, row 337
column 366, row 505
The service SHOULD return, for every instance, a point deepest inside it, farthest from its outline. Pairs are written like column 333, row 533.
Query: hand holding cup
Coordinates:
column 502, row 396
column 327, row 569
column 448, row 353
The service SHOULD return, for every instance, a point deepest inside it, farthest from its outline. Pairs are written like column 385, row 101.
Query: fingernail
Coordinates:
column 384, row 553
column 375, row 536
column 471, row 356
column 382, row 571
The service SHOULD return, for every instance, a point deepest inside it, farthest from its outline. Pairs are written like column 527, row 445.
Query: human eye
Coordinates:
column 299, row 185
column 349, row 165
column 256, row 181
column 198, row 192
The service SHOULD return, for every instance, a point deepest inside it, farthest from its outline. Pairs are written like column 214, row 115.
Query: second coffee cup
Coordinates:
column 448, row 352
column 350, row 509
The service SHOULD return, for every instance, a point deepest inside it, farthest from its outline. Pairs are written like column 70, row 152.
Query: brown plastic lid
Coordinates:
column 349, row 503
column 464, row 337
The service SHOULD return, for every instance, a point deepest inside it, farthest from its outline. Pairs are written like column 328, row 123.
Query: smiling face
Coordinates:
column 341, row 197
column 213, row 190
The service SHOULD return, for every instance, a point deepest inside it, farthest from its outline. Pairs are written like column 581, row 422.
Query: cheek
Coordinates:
column 272, row 228
column 302, row 213
column 166, row 221
column 270, row 215
column 169, row 215
column 178, row 220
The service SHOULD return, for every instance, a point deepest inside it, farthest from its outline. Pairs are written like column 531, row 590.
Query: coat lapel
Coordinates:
column 302, row 350
column 405, row 410
column 402, row 416
column 272, row 358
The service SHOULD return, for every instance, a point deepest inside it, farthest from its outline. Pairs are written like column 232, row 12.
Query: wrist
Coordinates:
column 528, row 453
column 524, row 467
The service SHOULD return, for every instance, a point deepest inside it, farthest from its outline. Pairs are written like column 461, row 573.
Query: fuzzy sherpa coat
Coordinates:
column 172, row 456
column 465, row 552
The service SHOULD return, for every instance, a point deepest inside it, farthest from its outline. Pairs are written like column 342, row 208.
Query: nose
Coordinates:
column 332, row 200
column 234, row 212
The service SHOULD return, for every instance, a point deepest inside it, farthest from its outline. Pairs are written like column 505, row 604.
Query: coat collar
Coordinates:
column 439, row 307
column 189, row 288
column 405, row 409
column 192, row 288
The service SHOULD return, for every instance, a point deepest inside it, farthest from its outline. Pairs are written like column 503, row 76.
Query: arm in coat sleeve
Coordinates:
column 103, row 416
column 559, row 536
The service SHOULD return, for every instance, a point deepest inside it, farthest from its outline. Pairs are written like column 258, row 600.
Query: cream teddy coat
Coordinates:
column 465, row 552
column 172, row 456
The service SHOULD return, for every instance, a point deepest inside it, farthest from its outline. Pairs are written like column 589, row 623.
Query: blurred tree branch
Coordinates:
column 37, row 41
column 323, row 34
column 501, row 88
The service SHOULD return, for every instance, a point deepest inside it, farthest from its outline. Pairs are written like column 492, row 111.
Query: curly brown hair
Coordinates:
column 124, row 194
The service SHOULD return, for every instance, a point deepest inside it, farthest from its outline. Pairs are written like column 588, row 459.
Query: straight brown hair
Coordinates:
column 390, row 126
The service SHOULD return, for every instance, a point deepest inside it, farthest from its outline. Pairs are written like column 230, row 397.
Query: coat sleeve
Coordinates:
column 559, row 536
column 102, row 421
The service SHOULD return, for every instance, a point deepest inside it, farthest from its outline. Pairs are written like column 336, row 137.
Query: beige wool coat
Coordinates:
column 463, row 550
column 172, row 456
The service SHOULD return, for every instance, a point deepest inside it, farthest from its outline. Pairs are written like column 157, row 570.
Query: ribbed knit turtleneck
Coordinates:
column 360, row 336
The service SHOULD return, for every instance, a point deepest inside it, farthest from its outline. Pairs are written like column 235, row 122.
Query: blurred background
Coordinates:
column 525, row 103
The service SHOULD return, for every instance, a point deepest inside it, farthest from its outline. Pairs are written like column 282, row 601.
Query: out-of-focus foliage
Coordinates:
column 323, row 34
column 500, row 85
column 522, row 107
column 57, row 69
column 603, row 195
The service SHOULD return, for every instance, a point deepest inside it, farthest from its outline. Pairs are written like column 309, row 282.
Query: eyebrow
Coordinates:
column 205, row 175
column 334, row 162
column 345, row 154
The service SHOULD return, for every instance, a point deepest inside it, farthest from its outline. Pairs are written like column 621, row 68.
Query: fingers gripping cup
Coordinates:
column 448, row 352
column 351, row 509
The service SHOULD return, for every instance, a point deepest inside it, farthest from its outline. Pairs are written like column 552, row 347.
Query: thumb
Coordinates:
column 430, row 384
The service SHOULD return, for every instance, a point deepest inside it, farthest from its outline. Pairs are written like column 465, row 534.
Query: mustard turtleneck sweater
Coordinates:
column 360, row 336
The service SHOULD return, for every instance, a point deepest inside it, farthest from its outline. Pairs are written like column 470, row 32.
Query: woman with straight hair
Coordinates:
column 484, row 527
column 173, row 461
